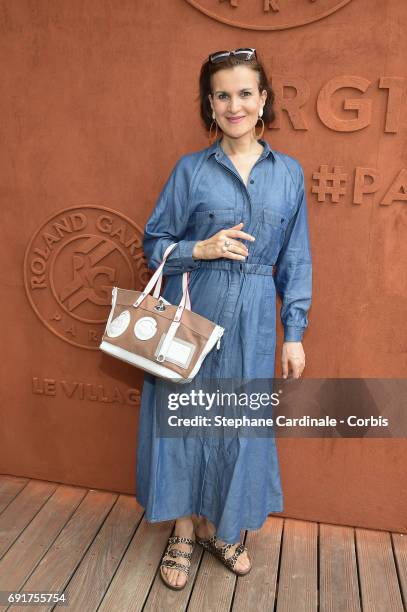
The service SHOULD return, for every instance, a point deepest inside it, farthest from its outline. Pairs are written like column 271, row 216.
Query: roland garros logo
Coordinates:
column 71, row 264
column 267, row 14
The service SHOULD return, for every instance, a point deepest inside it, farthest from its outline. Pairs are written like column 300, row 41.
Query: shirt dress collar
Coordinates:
column 216, row 149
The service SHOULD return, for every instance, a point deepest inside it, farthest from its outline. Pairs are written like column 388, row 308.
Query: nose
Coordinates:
column 234, row 104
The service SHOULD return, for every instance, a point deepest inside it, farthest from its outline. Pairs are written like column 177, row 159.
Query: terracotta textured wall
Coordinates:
column 99, row 100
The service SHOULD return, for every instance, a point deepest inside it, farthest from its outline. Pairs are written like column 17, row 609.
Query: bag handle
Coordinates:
column 173, row 328
column 185, row 281
column 157, row 289
column 156, row 280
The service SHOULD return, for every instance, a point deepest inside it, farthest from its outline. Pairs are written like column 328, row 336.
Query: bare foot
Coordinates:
column 205, row 529
column 184, row 528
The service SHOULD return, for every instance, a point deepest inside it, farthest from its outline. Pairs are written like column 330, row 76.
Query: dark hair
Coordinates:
column 208, row 69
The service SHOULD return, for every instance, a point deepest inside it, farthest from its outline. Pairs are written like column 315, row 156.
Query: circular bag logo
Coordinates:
column 118, row 326
column 267, row 14
column 71, row 264
column 145, row 328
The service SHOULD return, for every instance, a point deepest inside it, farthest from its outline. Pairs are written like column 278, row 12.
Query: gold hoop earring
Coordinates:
column 262, row 130
column 212, row 139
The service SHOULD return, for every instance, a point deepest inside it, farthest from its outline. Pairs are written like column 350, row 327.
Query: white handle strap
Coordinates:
column 156, row 280
column 155, row 277
column 185, row 281
column 157, row 288
column 174, row 326
column 185, row 287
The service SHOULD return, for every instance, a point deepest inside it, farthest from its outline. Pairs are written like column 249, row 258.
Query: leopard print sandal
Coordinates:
column 220, row 553
column 174, row 553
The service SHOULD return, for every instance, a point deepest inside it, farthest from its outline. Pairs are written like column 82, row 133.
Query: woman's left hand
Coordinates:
column 293, row 355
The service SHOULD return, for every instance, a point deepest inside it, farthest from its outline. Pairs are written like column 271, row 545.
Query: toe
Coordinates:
column 243, row 562
column 181, row 579
column 172, row 577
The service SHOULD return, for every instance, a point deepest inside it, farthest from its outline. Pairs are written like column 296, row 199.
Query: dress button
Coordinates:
column 252, row 181
column 211, row 215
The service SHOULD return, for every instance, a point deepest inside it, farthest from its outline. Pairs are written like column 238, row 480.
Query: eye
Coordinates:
column 245, row 94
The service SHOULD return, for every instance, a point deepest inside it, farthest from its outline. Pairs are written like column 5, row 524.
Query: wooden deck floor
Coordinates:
column 97, row 548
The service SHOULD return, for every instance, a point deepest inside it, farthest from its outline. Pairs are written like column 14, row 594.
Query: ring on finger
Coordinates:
column 226, row 245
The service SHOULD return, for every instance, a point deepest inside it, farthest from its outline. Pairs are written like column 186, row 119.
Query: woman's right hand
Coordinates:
column 213, row 247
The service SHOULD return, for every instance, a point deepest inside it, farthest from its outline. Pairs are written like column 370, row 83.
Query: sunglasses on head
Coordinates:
column 243, row 54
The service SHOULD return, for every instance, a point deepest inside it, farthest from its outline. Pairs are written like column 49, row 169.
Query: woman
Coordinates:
column 236, row 209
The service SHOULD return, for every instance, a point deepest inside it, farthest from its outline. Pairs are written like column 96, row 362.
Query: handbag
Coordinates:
column 150, row 333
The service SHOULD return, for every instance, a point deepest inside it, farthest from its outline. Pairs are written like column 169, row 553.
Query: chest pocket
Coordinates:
column 204, row 223
column 270, row 232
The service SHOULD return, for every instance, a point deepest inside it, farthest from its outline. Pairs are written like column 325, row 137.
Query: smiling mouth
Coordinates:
column 235, row 119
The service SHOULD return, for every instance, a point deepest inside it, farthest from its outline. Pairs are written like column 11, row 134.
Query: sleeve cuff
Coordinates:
column 185, row 254
column 293, row 334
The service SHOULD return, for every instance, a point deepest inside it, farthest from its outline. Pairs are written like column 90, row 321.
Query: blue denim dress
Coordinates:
column 232, row 480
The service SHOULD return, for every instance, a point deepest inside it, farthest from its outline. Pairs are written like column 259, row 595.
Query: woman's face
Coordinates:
column 235, row 95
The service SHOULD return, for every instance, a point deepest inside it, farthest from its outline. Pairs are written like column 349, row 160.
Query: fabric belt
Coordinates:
column 237, row 266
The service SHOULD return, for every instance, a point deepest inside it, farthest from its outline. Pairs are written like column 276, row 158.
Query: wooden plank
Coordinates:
column 56, row 537
column 61, row 560
column 94, row 574
column 259, row 587
column 130, row 586
column 161, row 597
column 20, row 512
column 377, row 572
column 10, row 486
column 213, row 588
column 339, row 588
column 400, row 553
column 298, row 581
column 32, row 544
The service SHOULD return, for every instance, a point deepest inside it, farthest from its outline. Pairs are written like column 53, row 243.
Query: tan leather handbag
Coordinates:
column 148, row 332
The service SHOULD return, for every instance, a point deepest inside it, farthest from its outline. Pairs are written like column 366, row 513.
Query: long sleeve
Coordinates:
column 167, row 224
column 293, row 277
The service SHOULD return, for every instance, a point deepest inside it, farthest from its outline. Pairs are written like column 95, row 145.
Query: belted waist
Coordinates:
column 237, row 266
